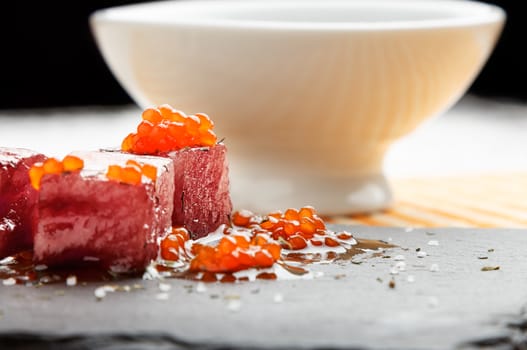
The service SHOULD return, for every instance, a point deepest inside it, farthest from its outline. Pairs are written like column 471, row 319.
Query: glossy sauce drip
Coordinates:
column 363, row 246
column 168, row 272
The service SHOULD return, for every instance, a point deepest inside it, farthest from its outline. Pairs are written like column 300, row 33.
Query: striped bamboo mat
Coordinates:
column 493, row 200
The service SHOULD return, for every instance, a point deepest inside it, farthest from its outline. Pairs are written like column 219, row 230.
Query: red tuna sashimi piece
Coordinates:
column 201, row 196
column 164, row 184
column 17, row 199
column 86, row 217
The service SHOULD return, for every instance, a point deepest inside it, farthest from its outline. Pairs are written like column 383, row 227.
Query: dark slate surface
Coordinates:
column 344, row 306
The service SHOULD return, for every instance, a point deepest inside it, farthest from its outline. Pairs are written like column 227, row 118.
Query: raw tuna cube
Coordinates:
column 86, row 217
column 201, row 196
column 17, row 199
column 164, row 184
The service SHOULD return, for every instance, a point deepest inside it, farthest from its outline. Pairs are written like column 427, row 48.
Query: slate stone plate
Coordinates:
column 442, row 301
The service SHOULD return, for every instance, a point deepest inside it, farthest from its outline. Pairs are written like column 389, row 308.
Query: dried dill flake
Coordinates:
column 490, row 268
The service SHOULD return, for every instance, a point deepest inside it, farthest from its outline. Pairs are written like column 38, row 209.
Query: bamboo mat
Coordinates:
column 491, row 200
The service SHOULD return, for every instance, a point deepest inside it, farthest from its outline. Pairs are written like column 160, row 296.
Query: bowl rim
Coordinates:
column 468, row 13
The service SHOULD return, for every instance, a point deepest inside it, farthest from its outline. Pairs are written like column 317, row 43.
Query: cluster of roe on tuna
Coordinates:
column 201, row 196
column 165, row 129
column 132, row 173
column 54, row 166
column 87, row 218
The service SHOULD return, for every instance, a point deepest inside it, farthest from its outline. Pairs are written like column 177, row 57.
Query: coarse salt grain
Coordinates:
column 410, row 278
column 164, row 287
column 408, row 229
column 9, row 281
column 421, row 254
column 8, row 260
column 101, row 292
column 71, row 281
column 433, row 243
column 434, row 267
column 278, row 298
column 234, row 305
column 45, row 279
column 162, row 296
column 394, row 271
column 201, row 287
column 399, row 258
column 400, row 265
column 151, row 273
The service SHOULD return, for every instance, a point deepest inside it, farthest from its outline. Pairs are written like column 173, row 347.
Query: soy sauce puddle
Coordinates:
column 21, row 269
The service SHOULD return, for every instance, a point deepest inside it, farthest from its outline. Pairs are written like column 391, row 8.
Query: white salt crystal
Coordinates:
column 9, row 281
column 434, row 267
column 399, row 258
column 101, row 292
column 71, row 281
column 151, row 273
column 234, row 305
column 162, row 296
column 164, row 287
column 8, row 260
column 421, row 254
column 201, row 287
column 433, row 243
column 278, row 298
column 400, row 265
column 410, row 278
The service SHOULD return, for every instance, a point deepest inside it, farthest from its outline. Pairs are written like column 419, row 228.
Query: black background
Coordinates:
column 49, row 57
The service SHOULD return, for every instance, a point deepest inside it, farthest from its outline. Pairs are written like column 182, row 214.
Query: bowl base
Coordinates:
column 329, row 195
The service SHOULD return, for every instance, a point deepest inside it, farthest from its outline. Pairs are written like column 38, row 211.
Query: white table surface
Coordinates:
column 476, row 135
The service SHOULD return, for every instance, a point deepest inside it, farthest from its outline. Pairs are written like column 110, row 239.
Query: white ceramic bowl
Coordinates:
column 308, row 94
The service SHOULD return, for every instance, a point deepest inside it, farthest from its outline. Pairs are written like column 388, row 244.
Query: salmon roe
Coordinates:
column 253, row 241
column 165, row 129
column 54, row 166
column 132, row 173
column 173, row 245
column 294, row 229
column 234, row 253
